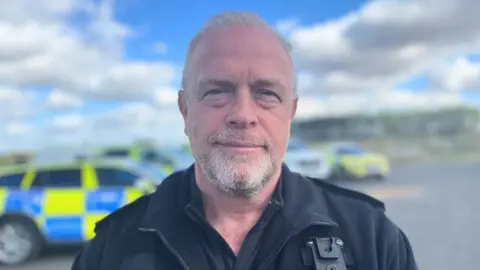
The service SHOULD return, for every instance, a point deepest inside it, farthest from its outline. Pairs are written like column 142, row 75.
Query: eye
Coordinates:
column 216, row 95
column 268, row 95
column 215, row 92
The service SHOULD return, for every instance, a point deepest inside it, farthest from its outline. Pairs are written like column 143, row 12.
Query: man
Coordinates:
column 238, row 206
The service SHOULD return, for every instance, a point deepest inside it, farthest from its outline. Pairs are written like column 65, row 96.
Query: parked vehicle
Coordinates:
column 353, row 161
column 59, row 203
column 306, row 161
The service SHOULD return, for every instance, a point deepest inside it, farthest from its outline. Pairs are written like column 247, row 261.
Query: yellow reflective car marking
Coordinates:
column 89, row 177
column 131, row 194
column 28, row 178
column 64, row 202
column 89, row 221
column 3, row 198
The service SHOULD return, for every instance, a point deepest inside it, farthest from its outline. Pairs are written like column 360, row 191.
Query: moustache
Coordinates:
column 239, row 139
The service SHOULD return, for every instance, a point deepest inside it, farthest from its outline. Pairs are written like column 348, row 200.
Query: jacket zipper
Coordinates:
column 168, row 246
column 293, row 235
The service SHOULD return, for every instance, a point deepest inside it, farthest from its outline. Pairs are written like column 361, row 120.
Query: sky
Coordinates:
column 98, row 72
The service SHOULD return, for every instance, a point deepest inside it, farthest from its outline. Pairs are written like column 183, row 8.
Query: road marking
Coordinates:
column 395, row 193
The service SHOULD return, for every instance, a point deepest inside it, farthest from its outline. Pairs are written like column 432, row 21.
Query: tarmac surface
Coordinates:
column 436, row 205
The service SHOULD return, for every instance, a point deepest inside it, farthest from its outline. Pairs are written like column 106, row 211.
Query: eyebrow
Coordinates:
column 230, row 84
column 210, row 81
column 267, row 83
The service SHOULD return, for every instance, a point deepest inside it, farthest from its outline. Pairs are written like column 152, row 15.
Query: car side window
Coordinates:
column 117, row 153
column 13, row 180
column 66, row 178
column 111, row 177
column 153, row 156
column 342, row 151
column 350, row 151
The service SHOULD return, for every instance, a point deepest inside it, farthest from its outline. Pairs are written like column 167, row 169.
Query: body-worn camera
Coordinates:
column 324, row 253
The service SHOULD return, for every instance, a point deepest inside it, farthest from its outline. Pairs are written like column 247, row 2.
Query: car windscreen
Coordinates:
column 354, row 150
column 294, row 145
column 150, row 170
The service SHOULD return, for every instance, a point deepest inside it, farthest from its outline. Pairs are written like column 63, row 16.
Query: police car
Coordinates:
column 60, row 203
column 355, row 162
column 305, row 161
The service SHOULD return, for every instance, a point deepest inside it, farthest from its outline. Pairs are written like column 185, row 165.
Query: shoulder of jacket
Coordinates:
column 125, row 212
column 132, row 212
column 345, row 193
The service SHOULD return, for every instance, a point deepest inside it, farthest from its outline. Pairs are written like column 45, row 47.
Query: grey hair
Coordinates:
column 229, row 19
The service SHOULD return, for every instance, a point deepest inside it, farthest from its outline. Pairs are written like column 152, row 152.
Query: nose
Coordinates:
column 243, row 113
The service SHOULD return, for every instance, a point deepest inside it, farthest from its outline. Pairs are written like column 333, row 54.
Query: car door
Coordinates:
column 115, row 189
column 15, row 200
column 62, row 203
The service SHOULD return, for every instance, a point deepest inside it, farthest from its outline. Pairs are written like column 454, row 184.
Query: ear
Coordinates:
column 294, row 108
column 183, row 108
column 182, row 103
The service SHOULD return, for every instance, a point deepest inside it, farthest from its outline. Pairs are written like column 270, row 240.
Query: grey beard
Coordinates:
column 212, row 167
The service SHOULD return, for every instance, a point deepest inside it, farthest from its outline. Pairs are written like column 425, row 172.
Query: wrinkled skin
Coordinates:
column 238, row 108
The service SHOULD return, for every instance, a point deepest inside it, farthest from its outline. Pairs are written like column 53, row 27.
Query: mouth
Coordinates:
column 237, row 144
column 240, row 145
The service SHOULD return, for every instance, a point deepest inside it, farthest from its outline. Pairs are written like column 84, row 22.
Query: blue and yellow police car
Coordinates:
column 60, row 203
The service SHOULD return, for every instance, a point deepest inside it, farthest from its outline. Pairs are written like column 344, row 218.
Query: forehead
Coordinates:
column 240, row 53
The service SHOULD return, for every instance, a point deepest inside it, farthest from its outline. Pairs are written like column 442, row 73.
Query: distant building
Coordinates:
column 339, row 128
column 445, row 122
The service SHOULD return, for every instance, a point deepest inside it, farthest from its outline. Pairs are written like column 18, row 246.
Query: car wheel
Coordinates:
column 20, row 240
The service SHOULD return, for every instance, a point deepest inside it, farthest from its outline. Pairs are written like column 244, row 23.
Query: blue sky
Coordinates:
column 174, row 23
column 155, row 19
column 89, row 67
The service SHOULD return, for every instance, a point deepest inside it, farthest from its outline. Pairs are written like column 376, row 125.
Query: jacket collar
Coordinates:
column 301, row 200
column 302, row 204
column 195, row 200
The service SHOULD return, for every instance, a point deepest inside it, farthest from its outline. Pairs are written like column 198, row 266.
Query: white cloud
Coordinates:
column 43, row 10
column 125, row 124
column 166, row 96
column 17, row 129
column 360, row 58
column 18, row 136
column 59, row 100
column 374, row 102
column 384, row 43
column 128, row 81
column 68, row 122
column 16, row 104
column 135, row 120
column 39, row 48
column 286, row 27
column 78, row 60
column 460, row 74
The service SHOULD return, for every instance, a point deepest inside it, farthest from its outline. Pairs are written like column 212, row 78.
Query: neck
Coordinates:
column 233, row 217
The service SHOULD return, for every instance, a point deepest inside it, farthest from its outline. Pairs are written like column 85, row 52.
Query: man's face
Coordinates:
column 238, row 108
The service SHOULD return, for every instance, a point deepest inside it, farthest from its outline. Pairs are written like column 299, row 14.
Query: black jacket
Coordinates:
column 155, row 233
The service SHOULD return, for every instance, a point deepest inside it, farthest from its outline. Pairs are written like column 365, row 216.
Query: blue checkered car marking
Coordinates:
column 20, row 201
column 68, row 228
column 104, row 200
column 64, row 229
